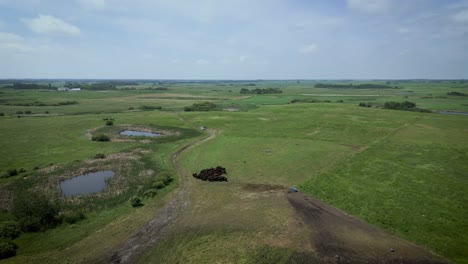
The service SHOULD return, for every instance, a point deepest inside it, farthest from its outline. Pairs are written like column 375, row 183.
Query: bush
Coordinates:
column 2, row 114
column 12, row 172
column 150, row 107
column 70, row 217
column 28, row 112
column 9, row 230
column 9, row 173
column 109, row 123
column 100, row 137
column 365, row 104
column 131, row 108
column 35, row 211
column 457, row 94
column 135, row 201
column 19, row 112
column 159, row 185
column 167, row 180
column 206, row 106
column 7, row 248
column 150, row 193
column 100, row 156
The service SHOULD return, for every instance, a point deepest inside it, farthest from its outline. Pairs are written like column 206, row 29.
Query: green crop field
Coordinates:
column 403, row 171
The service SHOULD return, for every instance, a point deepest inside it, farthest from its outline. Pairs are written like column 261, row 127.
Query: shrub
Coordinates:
column 131, row 108
column 206, row 106
column 109, row 123
column 9, row 173
column 21, row 170
column 365, row 104
column 12, row 172
column 457, row 94
column 19, row 112
column 35, row 211
column 100, row 156
column 9, row 230
column 150, row 193
column 47, row 112
column 167, row 180
column 135, row 201
column 159, row 185
column 7, row 248
column 150, row 107
column 70, row 217
column 28, row 112
column 2, row 114
column 100, row 137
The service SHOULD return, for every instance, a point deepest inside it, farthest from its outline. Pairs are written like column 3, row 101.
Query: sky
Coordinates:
column 234, row 39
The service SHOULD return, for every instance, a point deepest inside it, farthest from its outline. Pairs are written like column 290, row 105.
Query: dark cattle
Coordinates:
column 211, row 174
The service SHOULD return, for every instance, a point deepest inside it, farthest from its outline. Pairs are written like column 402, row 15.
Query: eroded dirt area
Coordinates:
column 340, row 238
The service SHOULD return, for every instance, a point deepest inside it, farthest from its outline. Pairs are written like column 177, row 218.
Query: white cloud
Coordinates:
column 461, row 17
column 9, row 37
column 10, row 42
column 224, row 61
column 45, row 24
column 311, row 48
column 369, row 6
column 202, row 62
column 403, row 30
column 92, row 4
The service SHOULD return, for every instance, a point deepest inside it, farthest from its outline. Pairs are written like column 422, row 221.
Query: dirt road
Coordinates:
column 157, row 228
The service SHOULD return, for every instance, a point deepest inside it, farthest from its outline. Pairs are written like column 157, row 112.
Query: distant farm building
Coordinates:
column 75, row 89
column 63, row 89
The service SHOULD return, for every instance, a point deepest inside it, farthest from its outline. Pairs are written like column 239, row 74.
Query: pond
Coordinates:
column 86, row 184
column 139, row 133
column 453, row 113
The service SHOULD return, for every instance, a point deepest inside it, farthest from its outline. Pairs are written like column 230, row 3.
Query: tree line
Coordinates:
column 351, row 86
column 261, row 91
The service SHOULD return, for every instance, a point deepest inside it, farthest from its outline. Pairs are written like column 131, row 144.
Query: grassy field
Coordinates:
column 403, row 171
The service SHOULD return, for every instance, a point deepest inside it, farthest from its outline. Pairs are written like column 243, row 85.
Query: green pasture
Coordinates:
column 403, row 171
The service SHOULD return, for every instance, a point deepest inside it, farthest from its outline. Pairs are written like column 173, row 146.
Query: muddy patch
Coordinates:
column 340, row 238
column 252, row 187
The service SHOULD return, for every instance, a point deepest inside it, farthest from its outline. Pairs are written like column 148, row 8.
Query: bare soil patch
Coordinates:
column 340, row 238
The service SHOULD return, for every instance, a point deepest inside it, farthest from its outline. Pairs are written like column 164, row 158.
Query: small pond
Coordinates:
column 86, row 184
column 452, row 113
column 139, row 133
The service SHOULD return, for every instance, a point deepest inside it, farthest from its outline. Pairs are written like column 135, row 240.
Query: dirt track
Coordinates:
column 340, row 238
column 157, row 228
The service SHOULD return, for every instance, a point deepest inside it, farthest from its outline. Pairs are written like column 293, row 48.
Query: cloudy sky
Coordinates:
column 234, row 39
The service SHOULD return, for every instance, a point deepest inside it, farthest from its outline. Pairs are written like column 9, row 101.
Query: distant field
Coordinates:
column 403, row 171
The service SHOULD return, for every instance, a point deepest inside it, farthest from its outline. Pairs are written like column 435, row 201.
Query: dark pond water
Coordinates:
column 452, row 113
column 86, row 184
column 138, row 133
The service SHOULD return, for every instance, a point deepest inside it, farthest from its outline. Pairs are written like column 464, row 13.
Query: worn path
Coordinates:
column 158, row 227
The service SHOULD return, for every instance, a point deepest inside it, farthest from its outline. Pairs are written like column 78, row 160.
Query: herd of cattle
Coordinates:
column 212, row 174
